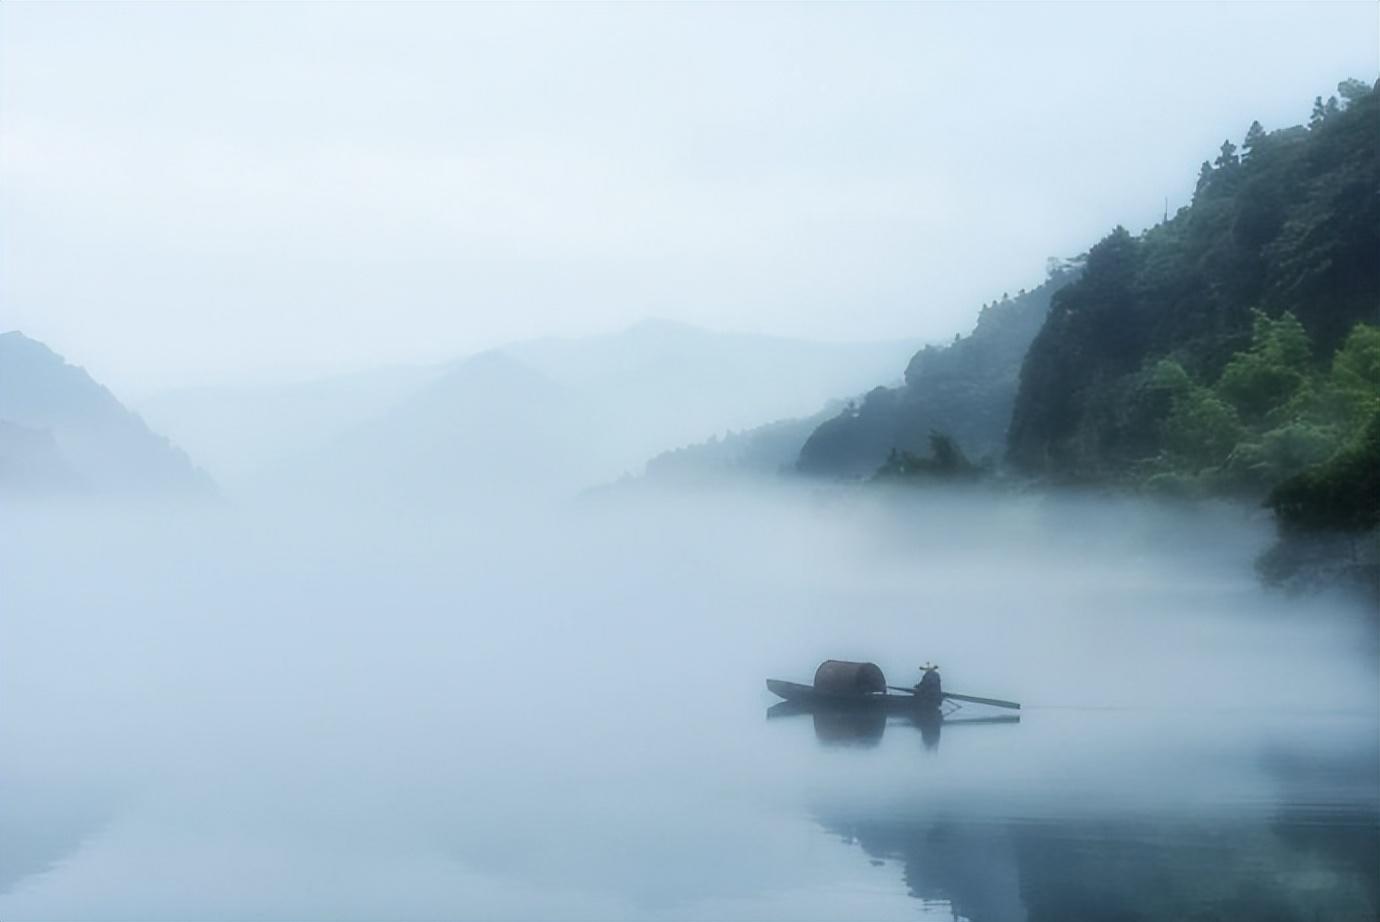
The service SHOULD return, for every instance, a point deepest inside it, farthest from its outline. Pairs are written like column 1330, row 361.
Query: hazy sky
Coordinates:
column 218, row 192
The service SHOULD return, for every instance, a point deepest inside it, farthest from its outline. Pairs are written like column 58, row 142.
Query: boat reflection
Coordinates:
column 1151, row 869
column 989, row 855
column 864, row 726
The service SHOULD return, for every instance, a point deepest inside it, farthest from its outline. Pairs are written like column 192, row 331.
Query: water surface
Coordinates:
column 498, row 712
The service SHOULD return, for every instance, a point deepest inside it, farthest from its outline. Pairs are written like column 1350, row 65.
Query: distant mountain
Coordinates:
column 235, row 431
column 488, row 427
column 633, row 394
column 688, row 384
column 61, row 428
column 965, row 389
column 31, row 463
column 660, row 384
column 768, row 449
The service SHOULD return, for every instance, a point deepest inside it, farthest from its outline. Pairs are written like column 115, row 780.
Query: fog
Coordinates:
column 400, row 408
column 245, row 710
column 231, row 193
column 536, row 414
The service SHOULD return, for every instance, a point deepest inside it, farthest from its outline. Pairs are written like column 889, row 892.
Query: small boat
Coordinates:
column 840, row 683
column 796, row 693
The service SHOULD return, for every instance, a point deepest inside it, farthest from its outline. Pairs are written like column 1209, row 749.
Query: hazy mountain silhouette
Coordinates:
column 659, row 385
column 965, row 389
column 31, row 463
column 693, row 383
column 64, row 429
column 488, row 427
column 626, row 396
column 235, row 431
column 771, row 448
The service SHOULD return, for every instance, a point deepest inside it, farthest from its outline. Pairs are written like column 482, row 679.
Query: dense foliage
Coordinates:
column 1287, row 226
column 1272, row 413
column 945, row 461
column 965, row 388
column 1232, row 350
column 1341, row 494
column 1328, row 519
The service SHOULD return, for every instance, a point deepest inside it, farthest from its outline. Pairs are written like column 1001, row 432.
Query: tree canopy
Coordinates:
column 1253, row 287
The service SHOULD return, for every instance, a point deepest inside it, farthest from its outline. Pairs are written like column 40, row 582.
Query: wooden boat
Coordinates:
column 796, row 693
column 914, row 715
column 841, row 683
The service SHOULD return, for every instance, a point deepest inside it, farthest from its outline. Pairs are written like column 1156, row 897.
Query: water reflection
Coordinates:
column 1312, row 851
column 1127, row 869
column 280, row 720
column 864, row 726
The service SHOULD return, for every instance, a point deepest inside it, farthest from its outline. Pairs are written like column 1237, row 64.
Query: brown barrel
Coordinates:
column 839, row 677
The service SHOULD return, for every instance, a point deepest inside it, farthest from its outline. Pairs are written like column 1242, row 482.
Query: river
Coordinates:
column 491, row 713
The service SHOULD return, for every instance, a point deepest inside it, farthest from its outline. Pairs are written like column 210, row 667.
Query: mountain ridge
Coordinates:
column 670, row 384
column 101, row 443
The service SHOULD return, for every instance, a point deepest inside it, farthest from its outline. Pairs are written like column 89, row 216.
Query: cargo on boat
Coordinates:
column 840, row 677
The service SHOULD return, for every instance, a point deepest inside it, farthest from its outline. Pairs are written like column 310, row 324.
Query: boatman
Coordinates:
column 928, row 694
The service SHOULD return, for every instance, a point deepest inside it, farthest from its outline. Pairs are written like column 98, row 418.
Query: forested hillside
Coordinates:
column 765, row 449
column 965, row 389
column 1202, row 351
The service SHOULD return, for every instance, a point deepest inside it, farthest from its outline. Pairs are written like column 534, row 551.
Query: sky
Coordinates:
column 235, row 193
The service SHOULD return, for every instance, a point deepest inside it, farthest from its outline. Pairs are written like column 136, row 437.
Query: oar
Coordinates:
column 995, row 702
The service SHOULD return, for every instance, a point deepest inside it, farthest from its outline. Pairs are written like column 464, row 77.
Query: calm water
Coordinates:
column 501, row 714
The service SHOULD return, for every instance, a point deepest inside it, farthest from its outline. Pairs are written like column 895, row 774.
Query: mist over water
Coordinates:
column 425, row 430
column 509, row 710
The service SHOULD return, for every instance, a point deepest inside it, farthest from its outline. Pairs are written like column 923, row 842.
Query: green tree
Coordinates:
column 1352, row 89
column 1295, row 228
column 1355, row 377
column 1256, row 465
column 1201, row 429
column 1342, row 494
column 1204, row 179
column 1255, row 136
column 1171, row 377
column 1226, row 157
column 1319, row 113
column 946, row 460
column 1272, row 372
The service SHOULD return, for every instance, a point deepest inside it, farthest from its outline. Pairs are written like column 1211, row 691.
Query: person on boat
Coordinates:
column 928, row 692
